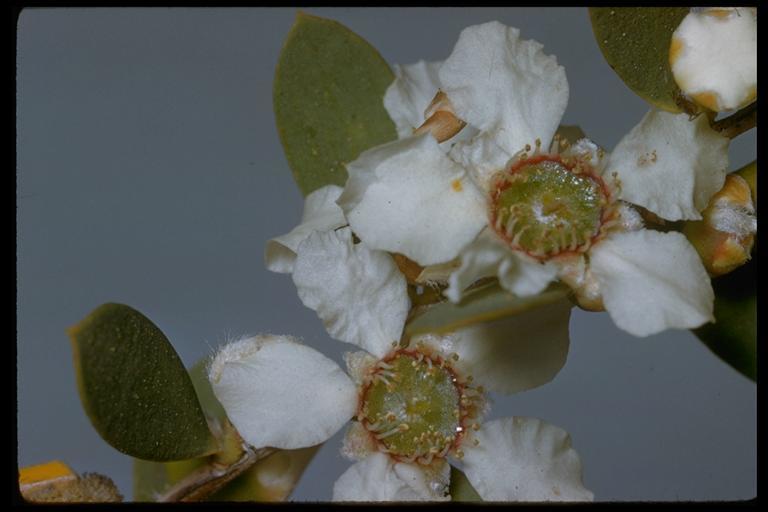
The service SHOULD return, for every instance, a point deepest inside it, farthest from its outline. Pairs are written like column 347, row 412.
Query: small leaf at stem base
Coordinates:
column 134, row 387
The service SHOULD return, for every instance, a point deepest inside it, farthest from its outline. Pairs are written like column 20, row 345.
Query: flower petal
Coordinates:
column 408, row 197
column 505, row 86
column 515, row 353
column 280, row 393
column 410, row 94
column 524, row 459
column 487, row 256
column 321, row 213
column 670, row 165
column 482, row 156
column 359, row 294
column 378, row 478
column 652, row 281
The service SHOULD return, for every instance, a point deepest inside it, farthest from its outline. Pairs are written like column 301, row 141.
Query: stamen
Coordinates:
column 388, row 433
column 388, row 373
column 574, row 239
column 511, row 226
column 516, row 240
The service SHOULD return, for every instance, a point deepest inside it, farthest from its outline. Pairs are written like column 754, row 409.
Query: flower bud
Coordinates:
column 726, row 233
column 441, row 119
column 713, row 56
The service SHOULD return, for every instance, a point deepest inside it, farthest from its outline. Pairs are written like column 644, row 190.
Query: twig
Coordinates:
column 213, row 476
column 736, row 124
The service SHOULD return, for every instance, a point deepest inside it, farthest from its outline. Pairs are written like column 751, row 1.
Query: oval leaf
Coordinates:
column 733, row 337
column 635, row 42
column 570, row 133
column 134, row 387
column 328, row 99
column 460, row 488
column 482, row 305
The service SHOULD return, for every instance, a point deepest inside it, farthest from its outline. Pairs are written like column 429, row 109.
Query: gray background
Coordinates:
column 150, row 173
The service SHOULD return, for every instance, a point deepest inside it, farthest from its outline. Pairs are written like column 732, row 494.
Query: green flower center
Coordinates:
column 545, row 207
column 415, row 406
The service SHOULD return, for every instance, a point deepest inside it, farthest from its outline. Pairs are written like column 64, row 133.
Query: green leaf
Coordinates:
column 328, row 99
column 570, row 132
column 733, row 337
column 134, row 387
column 482, row 305
column 460, row 488
column 212, row 408
column 152, row 479
column 635, row 42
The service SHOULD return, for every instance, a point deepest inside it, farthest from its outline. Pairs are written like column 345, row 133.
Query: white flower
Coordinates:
column 413, row 402
column 503, row 206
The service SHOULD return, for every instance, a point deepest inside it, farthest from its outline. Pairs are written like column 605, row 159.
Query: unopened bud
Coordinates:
column 713, row 56
column 586, row 290
column 726, row 233
column 749, row 173
column 441, row 120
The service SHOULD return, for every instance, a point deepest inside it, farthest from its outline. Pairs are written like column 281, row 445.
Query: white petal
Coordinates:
column 714, row 56
column 524, row 459
column 524, row 276
column 652, row 281
column 505, row 86
column 410, row 94
column 488, row 256
column 670, row 165
column 408, row 197
column 515, row 353
column 280, row 393
column 359, row 294
column 378, row 478
column 482, row 156
column 321, row 213
column 358, row 442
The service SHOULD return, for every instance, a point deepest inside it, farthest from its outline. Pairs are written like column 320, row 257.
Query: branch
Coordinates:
column 736, row 124
column 213, row 476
